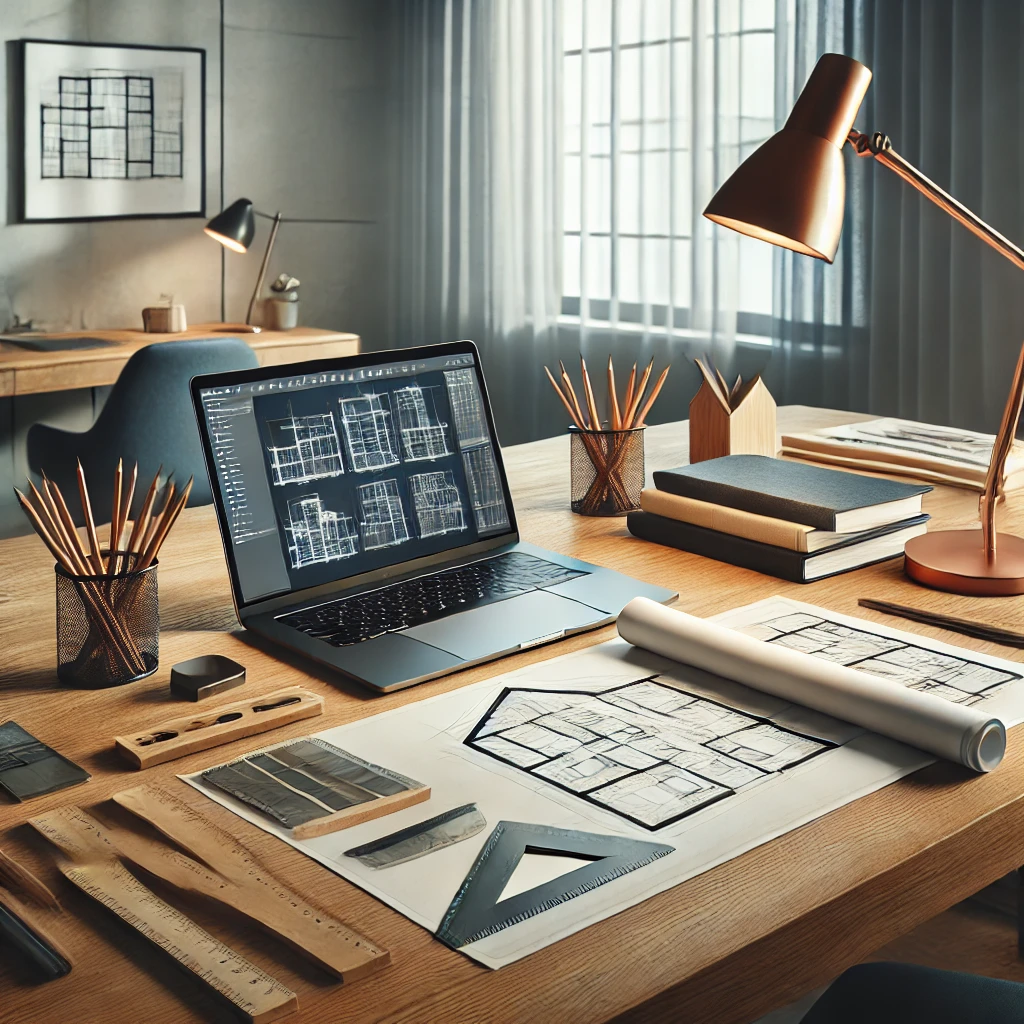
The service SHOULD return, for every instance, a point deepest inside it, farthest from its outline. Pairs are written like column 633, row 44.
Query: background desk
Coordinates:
column 26, row 372
column 726, row 946
column 67, row 388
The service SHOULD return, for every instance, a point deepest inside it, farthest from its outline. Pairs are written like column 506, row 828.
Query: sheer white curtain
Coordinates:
column 477, row 241
column 556, row 157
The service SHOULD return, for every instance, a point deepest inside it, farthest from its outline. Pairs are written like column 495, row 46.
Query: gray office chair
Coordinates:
column 147, row 418
column 889, row 993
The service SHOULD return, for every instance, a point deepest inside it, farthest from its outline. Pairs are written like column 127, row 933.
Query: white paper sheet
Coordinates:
column 732, row 767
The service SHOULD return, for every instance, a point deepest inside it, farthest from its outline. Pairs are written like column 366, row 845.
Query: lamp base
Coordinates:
column 954, row 560
column 236, row 329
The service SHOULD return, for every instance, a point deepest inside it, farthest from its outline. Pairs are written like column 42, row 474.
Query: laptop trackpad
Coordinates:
column 505, row 625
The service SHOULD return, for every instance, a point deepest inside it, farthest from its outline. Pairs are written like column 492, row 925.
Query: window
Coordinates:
column 645, row 118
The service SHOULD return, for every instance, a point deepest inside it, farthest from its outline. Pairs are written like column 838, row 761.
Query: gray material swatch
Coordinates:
column 422, row 838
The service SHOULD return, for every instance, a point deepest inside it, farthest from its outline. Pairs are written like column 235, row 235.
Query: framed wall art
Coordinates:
column 112, row 131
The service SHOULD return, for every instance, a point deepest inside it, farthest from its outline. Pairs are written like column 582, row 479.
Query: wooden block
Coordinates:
column 213, row 726
column 17, row 877
column 243, row 882
column 749, row 429
column 359, row 813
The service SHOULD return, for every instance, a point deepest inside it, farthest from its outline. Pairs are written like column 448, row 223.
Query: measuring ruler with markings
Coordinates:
column 96, row 871
column 253, row 888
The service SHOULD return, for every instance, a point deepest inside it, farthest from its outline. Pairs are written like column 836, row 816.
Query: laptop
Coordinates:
column 367, row 521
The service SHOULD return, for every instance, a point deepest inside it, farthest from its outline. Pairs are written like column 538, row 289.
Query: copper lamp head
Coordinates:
column 791, row 191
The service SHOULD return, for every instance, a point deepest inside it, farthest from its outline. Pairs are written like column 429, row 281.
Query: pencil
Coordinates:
column 115, row 512
column 588, row 391
column 64, row 513
column 122, row 519
column 166, row 522
column 565, row 401
column 650, row 401
column 628, row 399
column 90, row 524
column 141, row 522
column 637, row 398
column 613, row 399
column 572, row 394
column 967, row 627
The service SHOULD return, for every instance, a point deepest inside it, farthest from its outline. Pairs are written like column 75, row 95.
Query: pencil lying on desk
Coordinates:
column 967, row 627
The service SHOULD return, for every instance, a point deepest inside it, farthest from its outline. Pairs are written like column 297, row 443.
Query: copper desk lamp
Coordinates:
column 791, row 192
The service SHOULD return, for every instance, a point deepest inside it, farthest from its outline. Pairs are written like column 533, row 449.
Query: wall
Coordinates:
column 304, row 121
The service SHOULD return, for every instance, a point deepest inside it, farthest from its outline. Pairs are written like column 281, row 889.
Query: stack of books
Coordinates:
column 788, row 519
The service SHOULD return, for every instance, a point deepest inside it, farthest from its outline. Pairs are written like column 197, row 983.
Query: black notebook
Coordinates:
column 828, row 499
column 795, row 566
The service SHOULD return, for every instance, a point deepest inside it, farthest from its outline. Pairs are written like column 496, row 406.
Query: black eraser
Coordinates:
column 199, row 678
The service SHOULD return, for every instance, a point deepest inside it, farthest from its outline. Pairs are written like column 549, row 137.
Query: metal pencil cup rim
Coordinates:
column 108, row 626
column 602, row 490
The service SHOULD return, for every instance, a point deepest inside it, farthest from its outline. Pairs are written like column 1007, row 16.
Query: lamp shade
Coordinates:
column 791, row 191
column 235, row 226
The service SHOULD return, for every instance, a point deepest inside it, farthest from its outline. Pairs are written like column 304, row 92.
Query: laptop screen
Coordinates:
column 335, row 473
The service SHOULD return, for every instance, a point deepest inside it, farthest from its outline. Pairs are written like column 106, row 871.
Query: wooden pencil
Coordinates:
column 141, row 522
column 115, row 512
column 638, row 397
column 650, row 401
column 90, row 524
column 572, row 394
column 166, row 522
column 588, row 391
column 613, row 398
column 628, row 399
column 564, row 400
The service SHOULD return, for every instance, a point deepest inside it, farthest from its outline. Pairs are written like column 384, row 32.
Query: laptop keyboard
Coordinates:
column 351, row 620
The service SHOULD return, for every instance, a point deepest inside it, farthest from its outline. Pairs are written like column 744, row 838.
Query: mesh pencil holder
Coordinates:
column 607, row 470
column 108, row 627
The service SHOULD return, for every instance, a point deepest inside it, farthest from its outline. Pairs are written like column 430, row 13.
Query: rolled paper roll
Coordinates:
column 958, row 733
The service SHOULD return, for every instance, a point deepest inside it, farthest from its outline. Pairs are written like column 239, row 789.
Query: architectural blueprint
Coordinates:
column 317, row 535
column 650, row 752
column 467, row 407
column 485, row 491
column 304, row 448
column 382, row 517
column 369, row 435
column 437, row 503
column 956, row 678
column 619, row 741
column 423, row 437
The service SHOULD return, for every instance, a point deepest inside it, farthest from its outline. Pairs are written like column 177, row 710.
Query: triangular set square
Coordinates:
column 478, row 910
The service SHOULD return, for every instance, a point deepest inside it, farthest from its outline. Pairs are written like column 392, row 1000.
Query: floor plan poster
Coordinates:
column 618, row 741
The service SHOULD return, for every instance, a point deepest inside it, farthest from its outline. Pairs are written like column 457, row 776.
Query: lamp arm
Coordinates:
column 879, row 147
column 263, row 267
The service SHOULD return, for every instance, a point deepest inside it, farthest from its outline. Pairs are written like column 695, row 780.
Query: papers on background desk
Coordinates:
column 923, row 451
column 619, row 741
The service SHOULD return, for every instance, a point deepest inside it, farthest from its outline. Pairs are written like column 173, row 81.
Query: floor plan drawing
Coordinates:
column 651, row 753
column 437, row 503
column 956, row 678
column 369, row 436
column 317, row 535
column 382, row 518
column 485, row 491
column 467, row 407
column 423, row 437
column 304, row 448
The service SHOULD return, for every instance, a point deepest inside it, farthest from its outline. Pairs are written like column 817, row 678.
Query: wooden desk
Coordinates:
column 27, row 372
column 726, row 946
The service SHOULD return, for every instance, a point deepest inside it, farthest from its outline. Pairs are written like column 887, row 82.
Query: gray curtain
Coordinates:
column 477, row 239
column 917, row 318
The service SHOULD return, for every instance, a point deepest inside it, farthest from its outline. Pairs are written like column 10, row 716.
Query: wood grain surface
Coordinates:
column 726, row 946
column 25, row 371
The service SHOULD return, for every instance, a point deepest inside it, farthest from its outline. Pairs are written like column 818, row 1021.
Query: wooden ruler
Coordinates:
column 96, row 872
column 211, row 727
column 241, row 881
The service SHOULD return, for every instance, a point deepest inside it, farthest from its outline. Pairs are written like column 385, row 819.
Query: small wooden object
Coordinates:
column 164, row 319
column 95, row 869
column 737, row 421
column 359, row 813
column 239, row 880
column 177, row 737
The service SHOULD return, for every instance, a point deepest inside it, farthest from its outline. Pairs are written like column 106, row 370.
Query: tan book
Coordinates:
column 779, row 533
